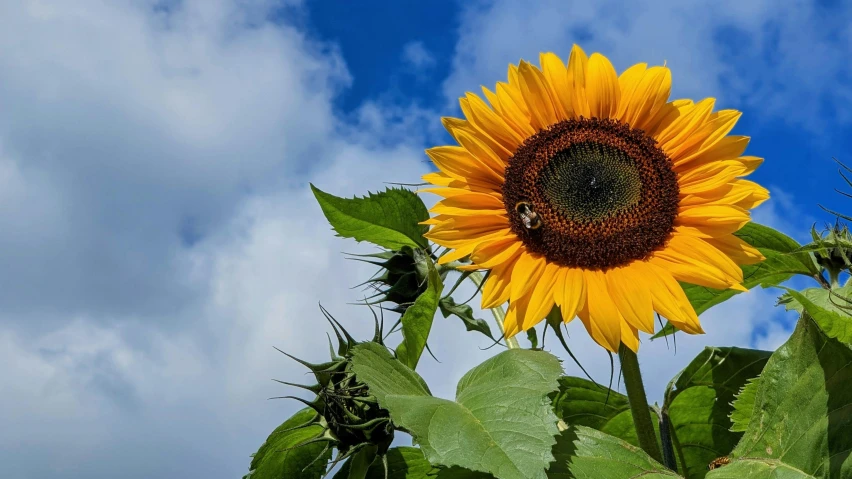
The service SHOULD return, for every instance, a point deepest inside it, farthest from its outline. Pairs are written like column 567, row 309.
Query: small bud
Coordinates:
column 832, row 249
column 401, row 279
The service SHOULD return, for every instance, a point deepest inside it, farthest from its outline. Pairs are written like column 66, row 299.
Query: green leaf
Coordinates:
column 831, row 309
column 802, row 417
column 698, row 402
column 501, row 423
column 585, row 453
column 465, row 313
column 409, row 463
column 358, row 466
column 532, row 337
column 583, row 403
column 417, row 319
column 389, row 219
column 278, row 457
column 744, row 406
column 781, row 263
column 384, row 375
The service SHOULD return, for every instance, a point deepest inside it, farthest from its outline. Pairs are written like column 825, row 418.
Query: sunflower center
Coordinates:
column 591, row 193
column 591, row 181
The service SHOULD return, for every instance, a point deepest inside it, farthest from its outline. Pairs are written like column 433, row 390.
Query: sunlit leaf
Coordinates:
column 501, row 422
column 698, row 403
column 744, row 406
column 417, row 320
column 585, row 453
column 831, row 309
column 465, row 313
column 802, row 413
column 389, row 219
column 583, row 403
column 278, row 457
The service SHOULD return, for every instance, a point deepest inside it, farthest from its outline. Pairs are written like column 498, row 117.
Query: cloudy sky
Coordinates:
column 158, row 234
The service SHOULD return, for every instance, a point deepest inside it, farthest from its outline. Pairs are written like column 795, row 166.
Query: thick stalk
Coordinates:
column 498, row 313
column 639, row 403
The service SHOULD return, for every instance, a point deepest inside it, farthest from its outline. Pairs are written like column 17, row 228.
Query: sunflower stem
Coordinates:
column 498, row 312
column 639, row 403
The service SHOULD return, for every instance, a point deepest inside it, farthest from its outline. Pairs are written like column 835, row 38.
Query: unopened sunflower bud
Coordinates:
column 348, row 413
column 401, row 279
column 832, row 249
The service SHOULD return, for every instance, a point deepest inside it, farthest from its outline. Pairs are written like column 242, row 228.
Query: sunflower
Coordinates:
column 577, row 187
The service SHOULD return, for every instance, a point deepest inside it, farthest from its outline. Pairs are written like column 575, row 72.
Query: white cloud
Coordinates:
column 785, row 61
column 416, row 55
column 129, row 126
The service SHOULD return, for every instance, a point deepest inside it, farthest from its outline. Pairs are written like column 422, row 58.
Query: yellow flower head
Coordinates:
column 592, row 191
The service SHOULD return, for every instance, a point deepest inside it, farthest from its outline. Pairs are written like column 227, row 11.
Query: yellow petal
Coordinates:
column 497, row 287
column 684, row 126
column 493, row 124
column 459, row 163
column 709, row 176
column 556, row 76
column 447, row 192
column 715, row 220
column 527, row 271
column 534, row 90
column 450, row 234
column 482, row 152
column 739, row 193
column 650, row 95
column 541, row 298
column 450, row 210
column 599, row 314
column 699, row 250
column 666, row 115
column 690, row 270
column 514, row 113
column 471, row 225
column 570, row 292
column 437, row 178
column 514, row 89
column 717, row 126
column 728, row 148
column 577, row 81
column 627, row 83
column 458, row 253
column 494, row 253
column 706, row 134
column 456, row 126
column 630, row 337
column 736, row 249
column 517, row 310
column 473, row 201
column 751, row 163
column 630, row 294
column 602, row 90
column 670, row 301
column 756, row 194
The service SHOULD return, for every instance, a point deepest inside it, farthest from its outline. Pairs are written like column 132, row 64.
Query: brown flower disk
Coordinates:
column 605, row 193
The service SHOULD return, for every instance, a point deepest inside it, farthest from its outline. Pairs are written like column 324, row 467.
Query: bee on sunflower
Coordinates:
column 577, row 187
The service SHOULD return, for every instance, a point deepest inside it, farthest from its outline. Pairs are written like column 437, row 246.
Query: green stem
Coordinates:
column 639, row 403
column 498, row 312
column 834, row 278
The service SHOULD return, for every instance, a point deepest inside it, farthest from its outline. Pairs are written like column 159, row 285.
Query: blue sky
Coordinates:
column 159, row 236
